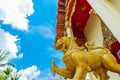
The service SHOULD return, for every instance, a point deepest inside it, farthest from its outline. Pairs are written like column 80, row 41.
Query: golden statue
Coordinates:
column 79, row 61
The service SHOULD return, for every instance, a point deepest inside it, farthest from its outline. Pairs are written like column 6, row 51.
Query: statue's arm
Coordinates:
column 61, row 71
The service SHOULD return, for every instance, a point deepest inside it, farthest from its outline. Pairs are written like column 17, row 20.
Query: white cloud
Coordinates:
column 15, row 12
column 46, row 31
column 20, row 56
column 8, row 43
column 29, row 73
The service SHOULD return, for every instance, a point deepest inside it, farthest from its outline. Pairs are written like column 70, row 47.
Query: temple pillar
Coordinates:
column 109, row 13
column 93, row 31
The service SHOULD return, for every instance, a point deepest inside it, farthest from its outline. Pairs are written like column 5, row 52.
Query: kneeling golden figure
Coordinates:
column 79, row 62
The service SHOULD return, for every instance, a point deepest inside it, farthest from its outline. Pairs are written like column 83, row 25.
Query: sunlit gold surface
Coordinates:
column 79, row 61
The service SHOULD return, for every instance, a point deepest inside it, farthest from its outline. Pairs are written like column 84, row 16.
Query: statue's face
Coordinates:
column 62, row 43
column 59, row 44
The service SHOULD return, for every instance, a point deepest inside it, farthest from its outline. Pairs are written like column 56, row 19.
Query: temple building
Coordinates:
column 91, row 20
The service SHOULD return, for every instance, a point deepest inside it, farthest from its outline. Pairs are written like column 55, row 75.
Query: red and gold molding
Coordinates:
column 115, row 47
column 60, row 19
column 69, row 9
column 80, row 18
column 75, row 11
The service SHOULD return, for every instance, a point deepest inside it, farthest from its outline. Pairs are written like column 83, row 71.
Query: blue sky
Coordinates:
column 27, row 30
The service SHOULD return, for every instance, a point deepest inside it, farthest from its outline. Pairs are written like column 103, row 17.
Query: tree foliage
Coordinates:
column 6, row 72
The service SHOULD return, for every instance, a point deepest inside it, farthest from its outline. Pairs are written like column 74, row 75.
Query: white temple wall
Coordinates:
column 93, row 30
column 115, row 4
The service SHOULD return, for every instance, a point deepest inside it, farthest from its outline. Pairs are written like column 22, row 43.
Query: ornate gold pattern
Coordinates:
column 83, row 7
column 108, row 36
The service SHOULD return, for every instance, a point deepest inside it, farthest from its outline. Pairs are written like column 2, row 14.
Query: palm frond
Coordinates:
column 3, row 55
column 8, row 71
column 16, row 76
column 11, row 64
